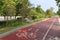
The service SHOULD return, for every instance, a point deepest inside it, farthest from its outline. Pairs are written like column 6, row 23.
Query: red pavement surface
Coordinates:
column 35, row 32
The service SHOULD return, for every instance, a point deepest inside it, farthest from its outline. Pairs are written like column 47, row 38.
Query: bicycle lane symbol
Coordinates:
column 26, row 34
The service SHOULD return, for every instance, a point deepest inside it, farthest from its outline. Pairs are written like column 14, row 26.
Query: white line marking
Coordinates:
column 48, row 30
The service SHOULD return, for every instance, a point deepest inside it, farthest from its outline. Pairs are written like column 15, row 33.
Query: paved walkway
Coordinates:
column 46, row 30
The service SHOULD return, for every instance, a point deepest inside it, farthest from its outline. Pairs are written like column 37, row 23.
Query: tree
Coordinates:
column 49, row 13
column 37, row 12
column 40, row 11
column 1, row 6
column 8, row 9
column 58, row 12
column 33, row 13
column 58, row 4
column 22, row 8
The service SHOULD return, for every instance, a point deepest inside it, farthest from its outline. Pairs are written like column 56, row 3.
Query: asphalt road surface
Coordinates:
column 46, row 30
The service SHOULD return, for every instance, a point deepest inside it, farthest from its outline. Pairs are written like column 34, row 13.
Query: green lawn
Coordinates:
column 13, row 24
column 5, row 29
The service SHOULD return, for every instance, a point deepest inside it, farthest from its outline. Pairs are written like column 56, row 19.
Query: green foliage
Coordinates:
column 58, row 4
column 22, row 8
column 37, row 12
column 39, row 9
column 1, row 7
column 57, row 1
column 49, row 13
column 33, row 14
column 58, row 12
column 9, row 7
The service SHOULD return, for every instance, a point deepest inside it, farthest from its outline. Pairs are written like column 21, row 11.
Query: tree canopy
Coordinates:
column 22, row 8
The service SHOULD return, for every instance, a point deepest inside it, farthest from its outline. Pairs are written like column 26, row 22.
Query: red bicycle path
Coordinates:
column 36, row 31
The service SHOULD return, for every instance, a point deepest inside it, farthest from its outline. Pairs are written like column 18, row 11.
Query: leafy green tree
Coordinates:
column 58, row 4
column 33, row 13
column 37, row 12
column 1, row 6
column 49, row 13
column 9, row 7
column 58, row 12
column 22, row 8
column 40, row 11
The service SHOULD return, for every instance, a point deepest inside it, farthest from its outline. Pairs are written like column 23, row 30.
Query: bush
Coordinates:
column 2, row 24
column 34, row 17
column 11, row 23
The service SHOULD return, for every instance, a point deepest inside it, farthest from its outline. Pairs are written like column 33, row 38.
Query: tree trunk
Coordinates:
column 15, row 17
column 10, row 17
column 30, row 16
column 7, row 22
column 22, row 18
column 4, row 18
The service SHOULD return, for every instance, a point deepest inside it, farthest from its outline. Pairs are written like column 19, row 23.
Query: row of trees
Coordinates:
column 23, row 8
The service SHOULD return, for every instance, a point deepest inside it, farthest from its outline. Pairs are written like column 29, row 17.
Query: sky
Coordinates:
column 45, row 4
